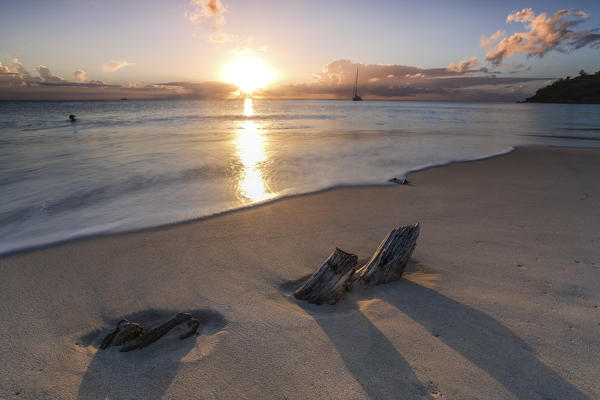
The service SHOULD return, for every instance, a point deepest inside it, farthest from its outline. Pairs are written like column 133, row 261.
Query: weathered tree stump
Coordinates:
column 329, row 283
column 136, row 337
column 339, row 273
column 389, row 261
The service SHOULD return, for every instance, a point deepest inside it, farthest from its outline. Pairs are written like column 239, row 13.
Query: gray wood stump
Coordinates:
column 329, row 283
column 389, row 261
column 339, row 273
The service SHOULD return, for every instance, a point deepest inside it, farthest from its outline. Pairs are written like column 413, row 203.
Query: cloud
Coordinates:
column 223, row 37
column 492, row 39
column 520, row 68
column 587, row 38
column 15, row 74
column 79, row 76
column 342, row 72
column 544, row 33
column 207, row 9
column 460, row 82
column 4, row 69
column 204, row 90
column 46, row 75
column 18, row 68
column 115, row 65
column 213, row 10
column 463, row 66
column 17, row 84
column 336, row 80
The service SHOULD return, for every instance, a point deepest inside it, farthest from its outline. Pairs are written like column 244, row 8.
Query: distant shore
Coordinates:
column 501, row 300
column 583, row 89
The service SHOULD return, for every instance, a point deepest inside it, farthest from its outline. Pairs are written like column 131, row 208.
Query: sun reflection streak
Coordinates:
column 250, row 150
column 248, row 108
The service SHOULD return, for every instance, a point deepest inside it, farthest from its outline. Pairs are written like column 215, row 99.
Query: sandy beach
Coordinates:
column 501, row 299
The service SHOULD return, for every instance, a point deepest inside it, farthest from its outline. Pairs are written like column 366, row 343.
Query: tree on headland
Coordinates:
column 583, row 89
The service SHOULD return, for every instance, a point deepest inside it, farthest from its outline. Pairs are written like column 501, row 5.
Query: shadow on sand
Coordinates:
column 383, row 373
column 145, row 373
column 370, row 357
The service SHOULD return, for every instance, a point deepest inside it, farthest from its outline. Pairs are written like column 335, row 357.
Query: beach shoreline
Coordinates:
column 121, row 230
column 499, row 302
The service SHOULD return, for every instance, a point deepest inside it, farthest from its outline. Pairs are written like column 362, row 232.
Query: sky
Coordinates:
column 82, row 49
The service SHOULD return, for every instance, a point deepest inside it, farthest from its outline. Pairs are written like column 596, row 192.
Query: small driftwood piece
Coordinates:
column 399, row 181
column 389, row 261
column 125, row 331
column 329, row 283
column 133, row 336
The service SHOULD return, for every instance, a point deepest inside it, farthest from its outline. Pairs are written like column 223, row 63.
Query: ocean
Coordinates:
column 126, row 165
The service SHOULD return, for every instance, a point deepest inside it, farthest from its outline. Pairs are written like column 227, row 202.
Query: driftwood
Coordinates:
column 125, row 331
column 399, row 181
column 133, row 336
column 329, row 283
column 339, row 273
column 390, row 258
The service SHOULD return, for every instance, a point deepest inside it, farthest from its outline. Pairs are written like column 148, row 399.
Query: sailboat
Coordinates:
column 355, row 96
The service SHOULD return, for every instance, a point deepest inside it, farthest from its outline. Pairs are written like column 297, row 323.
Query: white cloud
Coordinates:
column 207, row 9
column 544, row 33
column 211, row 10
column 4, row 69
column 79, row 76
column 463, row 66
column 48, row 76
column 223, row 37
column 485, row 42
column 115, row 65
column 19, row 68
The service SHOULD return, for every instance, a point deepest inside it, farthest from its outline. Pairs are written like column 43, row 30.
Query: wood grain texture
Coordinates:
column 329, row 283
column 389, row 261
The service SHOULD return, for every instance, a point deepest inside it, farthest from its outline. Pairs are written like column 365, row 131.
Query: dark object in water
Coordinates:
column 137, row 337
column 355, row 95
column 339, row 273
column 399, row 181
column 72, row 118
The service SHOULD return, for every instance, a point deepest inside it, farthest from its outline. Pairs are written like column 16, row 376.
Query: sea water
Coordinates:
column 126, row 165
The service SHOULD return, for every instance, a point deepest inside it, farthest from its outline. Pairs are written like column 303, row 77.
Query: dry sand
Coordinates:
column 502, row 301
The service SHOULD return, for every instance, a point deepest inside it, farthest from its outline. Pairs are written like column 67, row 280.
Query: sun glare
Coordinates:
column 248, row 74
column 251, row 151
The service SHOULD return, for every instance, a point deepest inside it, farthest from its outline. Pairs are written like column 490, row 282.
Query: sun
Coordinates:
column 248, row 74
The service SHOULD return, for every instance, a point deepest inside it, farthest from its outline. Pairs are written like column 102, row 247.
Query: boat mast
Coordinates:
column 356, row 84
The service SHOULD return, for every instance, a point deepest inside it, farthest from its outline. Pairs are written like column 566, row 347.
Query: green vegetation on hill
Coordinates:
column 584, row 89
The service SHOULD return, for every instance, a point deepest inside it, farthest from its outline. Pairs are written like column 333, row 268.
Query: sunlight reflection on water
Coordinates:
column 251, row 151
column 136, row 164
column 248, row 108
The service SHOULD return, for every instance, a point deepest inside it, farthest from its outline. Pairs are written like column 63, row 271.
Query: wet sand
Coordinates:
column 501, row 300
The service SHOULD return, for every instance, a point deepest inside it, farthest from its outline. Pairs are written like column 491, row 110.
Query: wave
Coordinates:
column 86, row 198
column 105, row 193
column 122, row 121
